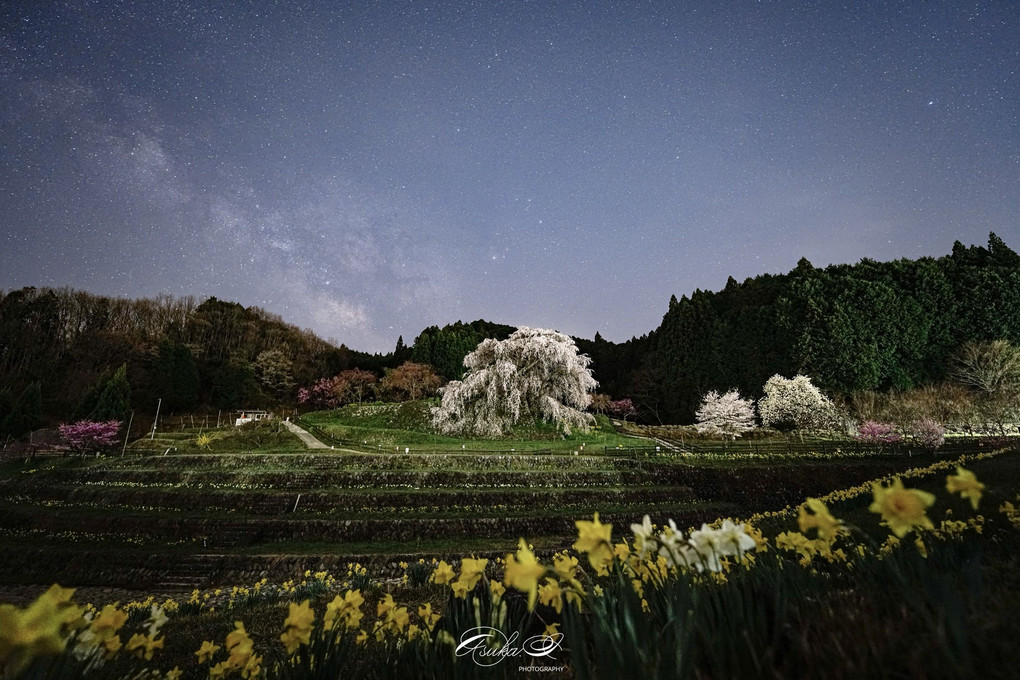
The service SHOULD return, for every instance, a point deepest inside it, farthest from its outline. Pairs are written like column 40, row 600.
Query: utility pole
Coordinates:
column 158, row 404
column 127, row 434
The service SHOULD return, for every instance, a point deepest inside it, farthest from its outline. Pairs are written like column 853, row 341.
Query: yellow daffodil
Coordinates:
column 174, row 674
column 347, row 608
column 143, row 646
column 384, row 606
column 239, row 646
column 443, row 574
column 792, row 540
column 966, row 484
column 496, row 589
column 550, row 595
column 206, row 651
column 819, row 518
column 109, row 621
column 595, row 538
column 428, row 617
column 901, row 509
column 111, row 646
column 297, row 629
column 471, row 570
column 460, row 589
column 565, row 566
column 523, row 572
column 39, row 629
column 398, row 618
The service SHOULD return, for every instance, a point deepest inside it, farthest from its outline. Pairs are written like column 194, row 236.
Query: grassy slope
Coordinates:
column 407, row 425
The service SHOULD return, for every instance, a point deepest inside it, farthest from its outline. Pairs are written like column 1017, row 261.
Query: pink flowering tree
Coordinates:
column 622, row 409
column 871, row 432
column 87, row 436
column 326, row 393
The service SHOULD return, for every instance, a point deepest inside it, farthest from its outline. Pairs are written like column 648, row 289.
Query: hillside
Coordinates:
column 871, row 325
column 867, row 326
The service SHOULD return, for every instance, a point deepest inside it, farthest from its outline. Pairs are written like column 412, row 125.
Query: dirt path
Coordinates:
column 310, row 441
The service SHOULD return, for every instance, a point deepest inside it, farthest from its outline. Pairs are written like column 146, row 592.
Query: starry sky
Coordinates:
column 367, row 169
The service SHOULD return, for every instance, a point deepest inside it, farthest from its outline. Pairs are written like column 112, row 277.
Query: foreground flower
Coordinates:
column 109, row 621
column 385, row 605
column 707, row 550
column 471, row 570
column 733, row 540
column 523, row 572
column 347, row 609
column 594, row 538
column 157, row 619
column 143, row 645
column 206, row 651
column 297, row 629
column 966, row 484
column 819, row 518
column 443, row 574
column 643, row 540
column 551, row 595
column 901, row 509
column 428, row 617
column 41, row 628
column 242, row 653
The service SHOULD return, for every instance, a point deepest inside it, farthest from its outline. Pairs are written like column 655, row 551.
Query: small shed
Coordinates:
column 251, row 415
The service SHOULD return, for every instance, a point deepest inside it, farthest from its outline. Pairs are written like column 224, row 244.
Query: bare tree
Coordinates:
column 410, row 381
column 992, row 370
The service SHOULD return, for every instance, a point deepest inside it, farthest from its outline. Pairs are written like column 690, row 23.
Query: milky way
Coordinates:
column 369, row 169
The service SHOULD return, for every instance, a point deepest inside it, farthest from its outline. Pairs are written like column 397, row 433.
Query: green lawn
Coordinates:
column 387, row 426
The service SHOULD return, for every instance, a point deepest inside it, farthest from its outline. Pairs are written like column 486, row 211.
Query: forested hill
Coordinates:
column 214, row 353
column 871, row 325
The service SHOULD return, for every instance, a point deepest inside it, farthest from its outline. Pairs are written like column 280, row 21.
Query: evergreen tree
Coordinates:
column 25, row 414
column 114, row 400
column 175, row 376
column 234, row 384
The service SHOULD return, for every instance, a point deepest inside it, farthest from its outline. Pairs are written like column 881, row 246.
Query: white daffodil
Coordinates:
column 705, row 542
column 733, row 540
column 157, row 617
column 643, row 536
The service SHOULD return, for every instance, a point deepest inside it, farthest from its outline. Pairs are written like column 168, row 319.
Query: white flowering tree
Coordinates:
column 725, row 414
column 533, row 374
column 795, row 404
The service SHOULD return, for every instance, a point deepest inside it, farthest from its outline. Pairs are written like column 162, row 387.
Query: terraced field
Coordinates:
column 166, row 520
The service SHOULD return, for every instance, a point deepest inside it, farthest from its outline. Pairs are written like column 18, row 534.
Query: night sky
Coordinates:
column 369, row 169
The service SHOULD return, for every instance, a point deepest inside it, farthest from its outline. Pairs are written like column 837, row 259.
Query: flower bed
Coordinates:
column 906, row 595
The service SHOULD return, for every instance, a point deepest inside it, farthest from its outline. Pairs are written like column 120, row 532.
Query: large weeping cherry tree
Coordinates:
column 533, row 374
